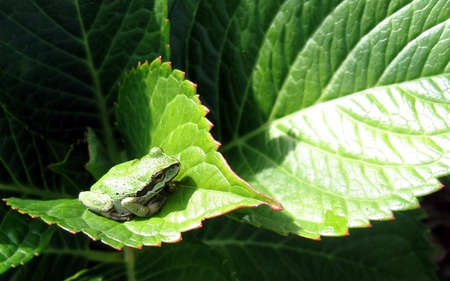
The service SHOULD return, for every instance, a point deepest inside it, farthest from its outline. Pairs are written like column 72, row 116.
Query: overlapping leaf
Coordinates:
column 21, row 239
column 339, row 109
column 65, row 254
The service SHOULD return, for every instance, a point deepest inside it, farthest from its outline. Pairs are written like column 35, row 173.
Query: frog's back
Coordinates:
column 121, row 179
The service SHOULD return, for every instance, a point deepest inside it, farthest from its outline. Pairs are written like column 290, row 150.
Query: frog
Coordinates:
column 133, row 188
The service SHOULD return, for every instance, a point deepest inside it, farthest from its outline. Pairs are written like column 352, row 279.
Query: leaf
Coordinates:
column 21, row 239
column 163, row 112
column 193, row 261
column 338, row 109
column 367, row 254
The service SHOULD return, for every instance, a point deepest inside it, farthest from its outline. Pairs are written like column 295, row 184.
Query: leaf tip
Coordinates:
column 119, row 248
column 276, row 207
column 90, row 236
column 6, row 201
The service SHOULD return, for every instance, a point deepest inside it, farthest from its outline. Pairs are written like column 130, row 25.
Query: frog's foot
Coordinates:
column 153, row 206
column 171, row 186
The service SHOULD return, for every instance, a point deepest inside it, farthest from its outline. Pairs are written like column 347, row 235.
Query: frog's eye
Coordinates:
column 158, row 177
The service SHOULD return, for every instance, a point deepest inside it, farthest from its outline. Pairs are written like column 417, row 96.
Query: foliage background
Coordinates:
column 60, row 65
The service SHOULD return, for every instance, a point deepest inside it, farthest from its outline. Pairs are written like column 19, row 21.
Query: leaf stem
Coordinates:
column 129, row 262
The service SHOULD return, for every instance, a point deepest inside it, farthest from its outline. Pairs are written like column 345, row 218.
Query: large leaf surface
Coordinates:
column 339, row 109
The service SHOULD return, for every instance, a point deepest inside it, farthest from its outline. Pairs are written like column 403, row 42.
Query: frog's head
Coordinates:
column 160, row 169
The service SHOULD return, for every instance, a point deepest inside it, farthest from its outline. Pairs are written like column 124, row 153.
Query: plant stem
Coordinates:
column 129, row 262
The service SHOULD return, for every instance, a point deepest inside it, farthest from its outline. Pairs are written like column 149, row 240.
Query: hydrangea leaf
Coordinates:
column 21, row 239
column 158, row 107
column 338, row 109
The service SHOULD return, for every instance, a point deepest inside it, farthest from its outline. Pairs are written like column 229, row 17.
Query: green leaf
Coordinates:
column 395, row 250
column 193, row 261
column 21, row 238
column 338, row 109
column 157, row 107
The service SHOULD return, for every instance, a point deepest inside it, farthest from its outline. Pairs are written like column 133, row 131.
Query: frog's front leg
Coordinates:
column 135, row 206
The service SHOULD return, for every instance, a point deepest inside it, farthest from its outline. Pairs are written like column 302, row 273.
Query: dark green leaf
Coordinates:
column 61, row 61
column 395, row 250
